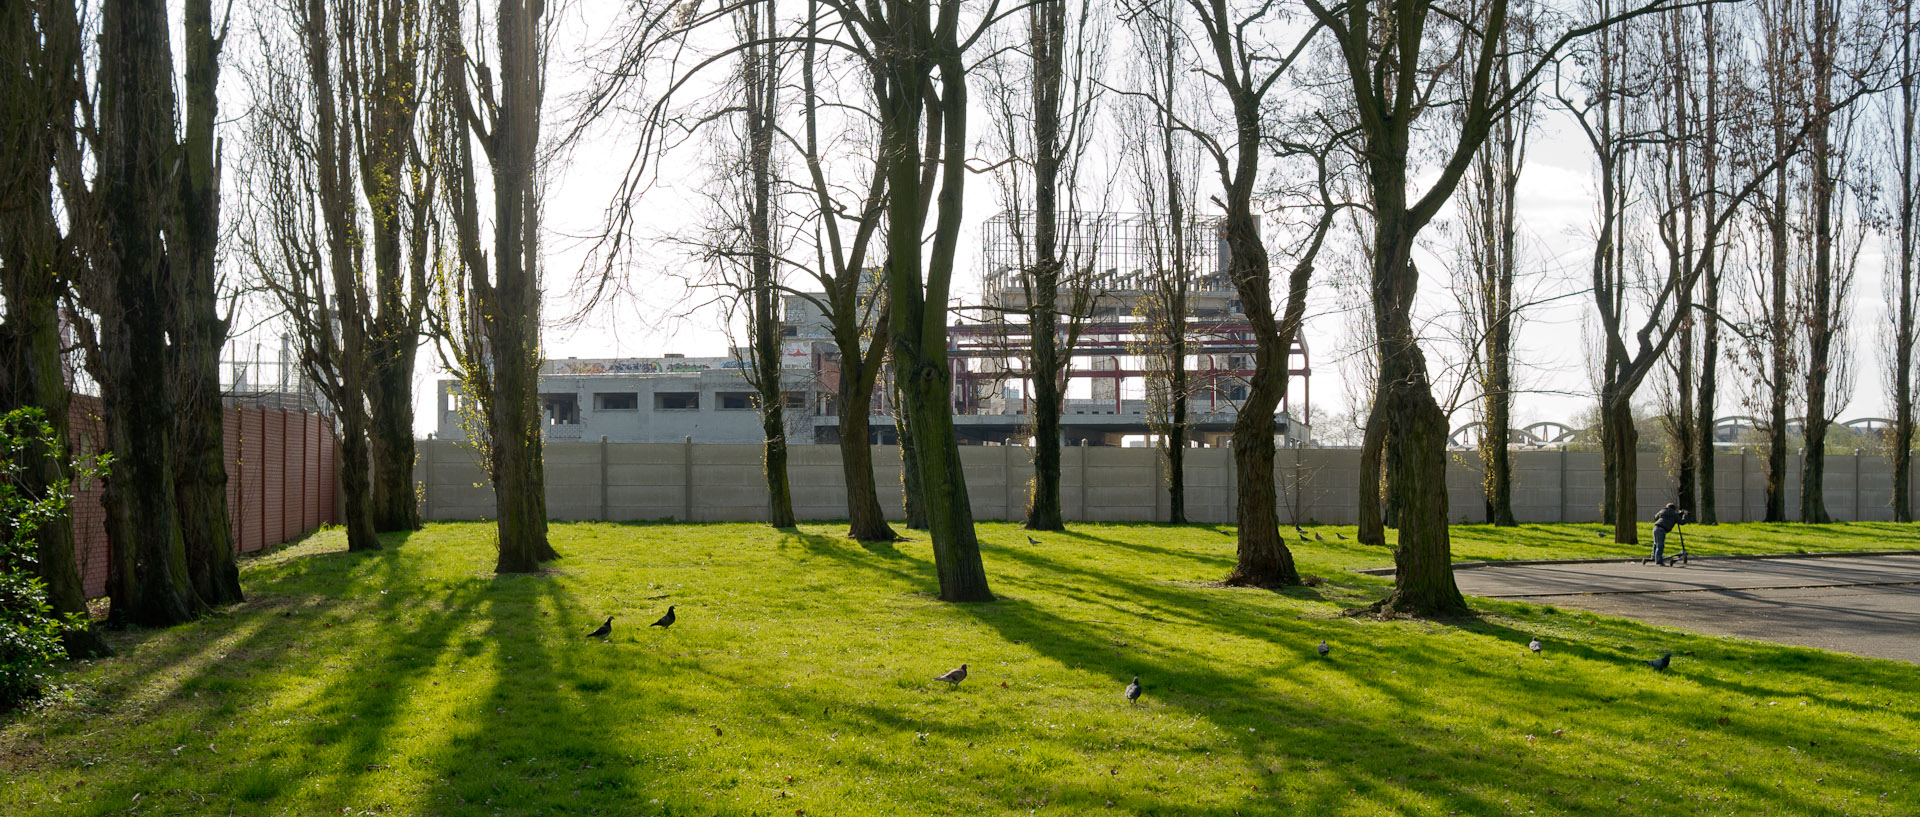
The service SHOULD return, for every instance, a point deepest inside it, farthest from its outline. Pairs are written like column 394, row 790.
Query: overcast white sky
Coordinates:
column 1556, row 205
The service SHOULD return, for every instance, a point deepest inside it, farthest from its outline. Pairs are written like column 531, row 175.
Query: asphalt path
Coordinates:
column 1865, row 605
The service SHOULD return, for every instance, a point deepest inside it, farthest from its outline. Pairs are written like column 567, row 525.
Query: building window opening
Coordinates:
column 616, row 401
column 561, row 409
column 676, row 401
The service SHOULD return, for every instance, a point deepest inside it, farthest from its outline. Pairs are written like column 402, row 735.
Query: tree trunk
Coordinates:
column 773, row 425
column 399, row 186
column 1371, row 528
column 1263, row 559
column 943, row 486
column 1176, row 442
column 1046, row 46
column 1423, row 563
column 865, row 520
column 917, row 293
column 198, row 331
column 1416, row 429
column 1415, row 447
column 148, row 574
column 1779, row 338
column 342, row 344
column 1043, row 505
column 356, row 487
column 773, row 422
column 761, row 80
column 519, row 477
column 1821, row 320
column 31, row 375
column 1619, row 441
column 396, row 506
column 34, row 263
column 519, row 486
column 1903, row 318
column 1494, row 456
column 913, row 505
column 1704, row 509
column 1686, row 448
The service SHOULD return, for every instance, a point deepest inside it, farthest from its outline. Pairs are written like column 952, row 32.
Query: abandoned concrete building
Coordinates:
column 1111, row 399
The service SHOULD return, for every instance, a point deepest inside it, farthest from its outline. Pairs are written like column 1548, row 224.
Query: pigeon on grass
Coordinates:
column 954, row 677
column 1340, row 536
column 1318, row 538
column 1323, row 649
column 666, row 620
column 1032, row 541
column 1660, row 664
column 604, row 631
column 1133, row 691
column 1534, row 646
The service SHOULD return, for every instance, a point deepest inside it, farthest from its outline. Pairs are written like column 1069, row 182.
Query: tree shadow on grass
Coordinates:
column 1231, row 700
column 885, row 558
column 198, row 678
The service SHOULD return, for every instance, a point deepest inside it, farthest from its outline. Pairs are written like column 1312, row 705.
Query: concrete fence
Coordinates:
column 723, row 483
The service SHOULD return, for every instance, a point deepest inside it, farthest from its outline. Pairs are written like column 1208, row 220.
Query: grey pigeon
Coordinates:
column 1534, row 645
column 1133, row 690
column 1340, row 536
column 954, row 677
column 1032, row 541
column 604, row 631
column 1303, row 537
column 666, row 620
column 1661, row 662
column 1323, row 649
column 1318, row 538
column 1301, row 530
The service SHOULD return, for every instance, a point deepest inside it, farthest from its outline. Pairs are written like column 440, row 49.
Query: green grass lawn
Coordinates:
column 797, row 682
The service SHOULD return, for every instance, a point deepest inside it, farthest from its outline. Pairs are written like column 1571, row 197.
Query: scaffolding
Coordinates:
column 1107, row 252
column 1113, row 267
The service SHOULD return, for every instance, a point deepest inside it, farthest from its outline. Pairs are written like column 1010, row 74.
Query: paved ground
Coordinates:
column 1866, row 605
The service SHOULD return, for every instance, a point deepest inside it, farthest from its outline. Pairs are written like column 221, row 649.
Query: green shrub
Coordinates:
column 29, row 629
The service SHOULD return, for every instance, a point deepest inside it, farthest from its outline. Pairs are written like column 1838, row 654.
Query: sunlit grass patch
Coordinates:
column 798, row 680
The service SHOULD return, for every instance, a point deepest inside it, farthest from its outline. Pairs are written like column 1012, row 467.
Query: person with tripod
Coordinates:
column 1666, row 520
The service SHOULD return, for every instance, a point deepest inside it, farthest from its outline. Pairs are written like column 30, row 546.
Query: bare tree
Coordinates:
column 1711, row 156
column 1490, row 268
column 1903, row 199
column 746, row 237
column 40, row 88
column 1043, row 93
column 491, row 332
column 1393, row 56
column 916, row 56
column 915, row 60
column 1839, row 54
column 389, row 46
column 308, row 230
column 1166, row 166
column 195, row 326
column 1244, row 68
column 127, row 290
column 843, row 237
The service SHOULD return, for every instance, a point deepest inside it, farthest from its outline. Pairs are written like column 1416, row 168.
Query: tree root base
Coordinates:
column 1262, row 582
column 1395, row 607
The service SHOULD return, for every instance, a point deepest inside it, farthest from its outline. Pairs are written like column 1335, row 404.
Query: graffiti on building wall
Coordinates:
column 636, row 366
